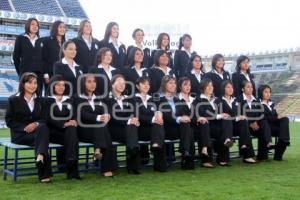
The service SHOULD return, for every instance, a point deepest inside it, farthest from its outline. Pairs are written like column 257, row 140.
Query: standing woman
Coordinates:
column 68, row 68
column 176, row 121
column 93, row 118
column 112, row 42
column 183, row 55
column 138, row 36
column 163, row 43
column 135, row 68
column 228, row 104
column 61, row 120
column 24, row 117
column 241, row 74
column 124, row 124
column 220, row 128
column 258, row 126
column 27, row 53
column 161, row 69
column 218, row 73
column 195, row 73
column 278, row 123
column 103, row 71
column 151, row 127
column 87, row 46
column 51, row 47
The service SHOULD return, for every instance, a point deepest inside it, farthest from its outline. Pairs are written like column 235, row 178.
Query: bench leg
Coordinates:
column 15, row 170
column 5, row 163
column 87, row 152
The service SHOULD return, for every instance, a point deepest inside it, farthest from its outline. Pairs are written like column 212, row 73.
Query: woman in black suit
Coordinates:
column 103, row 71
column 218, row 73
column 151, row 127
column 61, row 120
column 195, row 73
column 138, row 36
column 27, row 53
column 163, row 43
column 51, row 47
column 220, row 128
column 93, row 117
column 24, row 117
column 278, row 123
column 68, row 68
column 228, row 104
column 176, row 121
column 242, row 73
column 182, row 55
column 135, row 69
column 87, row 46
column 124, row 124
column 161, row 69
column 112, row 42
column 258, row 126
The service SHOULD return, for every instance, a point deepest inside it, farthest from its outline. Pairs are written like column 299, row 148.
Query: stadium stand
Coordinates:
column 72, row 8
column 4, row 5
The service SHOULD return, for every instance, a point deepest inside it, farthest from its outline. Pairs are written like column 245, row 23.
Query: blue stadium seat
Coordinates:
column 72, row 8
column 4, row 5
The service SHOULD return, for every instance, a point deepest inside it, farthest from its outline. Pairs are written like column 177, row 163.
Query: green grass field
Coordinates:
column 267, row 180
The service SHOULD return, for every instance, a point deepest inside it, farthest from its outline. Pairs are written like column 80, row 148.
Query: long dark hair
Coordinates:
column 239, row 60
column 52, row 82
column 131, row 55
column 81, row 26
column 82, row 82
column 190, row 65
column 108, row 30
column 261, row 89
column 25, row 78
column 182, row 38
column 28, row 23
column 157, row 55
column 159, row 40
column 181, row 81
column 100, row 55
column 215, row 59
column 64, row 47
column 54, row 30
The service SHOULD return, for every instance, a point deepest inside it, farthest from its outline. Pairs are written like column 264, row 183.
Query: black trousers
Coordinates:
column 69, row 139
column 40, row 140
column 241, row 129
column 154, row 133
column 280, row 128
column 128, row 135
column 264, row 136
column 101, row 138
column 220, row 130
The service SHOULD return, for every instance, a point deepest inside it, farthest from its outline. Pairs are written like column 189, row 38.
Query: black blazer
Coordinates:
column 68, row 112
column 270, row 115
column 85, row 56
column 168, row 116
column 205, row 109
column 131, row 76
column 119, row 60
column 181, row 62
column 223, row 107
column 217, row 81
column 195, row 84
column 145, row 114
column 147, row 56
column 156, row 75
column 245, row 109
column 50, row 54
column 66, row 72
column 86, row 114
column 171, row 61
column 28, row 58
column 101, row 82
column 18, row 114
column 238, row 79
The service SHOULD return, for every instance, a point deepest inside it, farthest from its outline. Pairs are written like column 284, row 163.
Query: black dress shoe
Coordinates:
column 133, row 171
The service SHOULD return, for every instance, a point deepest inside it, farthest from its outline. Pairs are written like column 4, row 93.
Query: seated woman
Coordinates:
column 258, row 126
column 278, row 123
column 61, row 120
column 92, row 119
column 24, row 117
column 123, row 125
column 220, row 129
column 227, row 104
column 176, row 122
column 151, row 127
